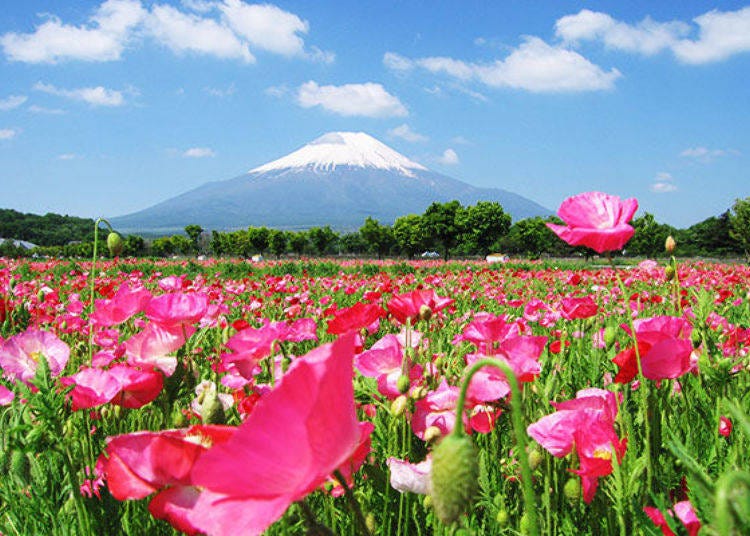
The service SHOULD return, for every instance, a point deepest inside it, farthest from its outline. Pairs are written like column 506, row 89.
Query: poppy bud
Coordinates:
column 398, row 406
column 535, row 459
column 419, row 392
column 454, row 477
column 211, row 410
column 403, row 384
column 670, row 244
column 432, row 433
column 695, row 336
column 572, row 489
column 425, row 313
column 502, row 518
column 114, row 244
column 669, row 272
column 525, row 525
column 609, row 336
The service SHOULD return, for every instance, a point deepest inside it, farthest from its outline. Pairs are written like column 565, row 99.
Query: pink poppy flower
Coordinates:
column 437, row 409
column 123, row 305
column 6, row 396
column 250, row 345
column 409, row 306
column 297, row 435
column 575, row 308
column 152, row 346
column 175, row 310
column 596, row 220
column 683, row 510
column 122, row 385
column 585, row 423
column 19, row 355
column 384, row 361
column 356, row 317
column 142, row 463
column 725, row 426
column 664, row 346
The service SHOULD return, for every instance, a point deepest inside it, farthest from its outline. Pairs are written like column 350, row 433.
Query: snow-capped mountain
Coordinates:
column 354, row 149
column 338, row 179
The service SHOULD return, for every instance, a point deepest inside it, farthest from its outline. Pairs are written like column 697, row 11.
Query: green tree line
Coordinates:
column 450, row 229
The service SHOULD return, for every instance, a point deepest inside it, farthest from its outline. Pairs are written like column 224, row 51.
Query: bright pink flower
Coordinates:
column 725, row 426
column 585, row 423
column 408, row 306
column 356, row 317
column 384, row 361
column 122, row 385
column 686, row 514
column 175, row 310
column 574, row 308
column 152, row 346
column 123, row 305
column 20, row 355
column 596, row 220
column 139, row 464
column 664, row 346
column 6, row 395
column 297, row 435
column 437, row 409
column 658, row 519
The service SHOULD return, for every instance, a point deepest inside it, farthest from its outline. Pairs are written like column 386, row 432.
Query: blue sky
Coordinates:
column 110, row 107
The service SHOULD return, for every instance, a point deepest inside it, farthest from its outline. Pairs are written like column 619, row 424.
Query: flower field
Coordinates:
column 383, row 398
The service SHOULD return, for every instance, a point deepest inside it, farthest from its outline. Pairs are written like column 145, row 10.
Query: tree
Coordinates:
column 379, row 238
column 133, row 246
column 322, row 238
column 409, row 234
column 298, row 242
column 194, row 233
column 483, row 225
column 162, row 246
column 353, row 243
column 182, row 244
column 532, row 237
column 277, row 242
column 649, row 236
column 258, row 237
column 439, row 223
column 739, row 221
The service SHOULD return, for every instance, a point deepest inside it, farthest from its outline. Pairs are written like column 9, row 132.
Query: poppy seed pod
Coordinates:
column 454, row 477
column 670, row 244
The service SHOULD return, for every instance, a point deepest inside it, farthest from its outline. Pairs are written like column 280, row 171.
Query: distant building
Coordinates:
column 18, row 243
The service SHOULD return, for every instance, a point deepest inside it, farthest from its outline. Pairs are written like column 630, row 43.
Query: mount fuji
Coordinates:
column 338, row 179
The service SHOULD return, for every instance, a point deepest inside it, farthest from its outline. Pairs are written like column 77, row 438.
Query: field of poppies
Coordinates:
column 383, row 398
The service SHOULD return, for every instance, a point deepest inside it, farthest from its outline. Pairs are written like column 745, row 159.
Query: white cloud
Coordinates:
column 277, row 91
column 367, row 100
column 460, row 140
column 42, row 110
column 663, row 183
column 266, row 26
column 406, row 133
column 227, row 30
column 721, row 34
column 706, row 155
column 646, row 37
column 533, row 66
column 103, row 39
column 11, row 102
column 95, row 96
column 221, row 92
column 448, row 158
column 199, row 152
column 7, row 133
column 67, row 156
column 186, row 32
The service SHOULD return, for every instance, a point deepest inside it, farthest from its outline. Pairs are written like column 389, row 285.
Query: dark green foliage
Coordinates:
column 48, row 230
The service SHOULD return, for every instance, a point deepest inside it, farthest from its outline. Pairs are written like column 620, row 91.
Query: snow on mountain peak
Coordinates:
column 355, row 149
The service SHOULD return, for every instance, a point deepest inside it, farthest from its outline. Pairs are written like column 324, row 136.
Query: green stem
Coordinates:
column 458, row 430
column 644, row 386
column 353, row 504
column 313, row 525
column 92, row 276
column 723, row 508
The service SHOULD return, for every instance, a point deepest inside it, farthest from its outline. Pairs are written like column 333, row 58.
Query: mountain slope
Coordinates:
column 338, row 180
